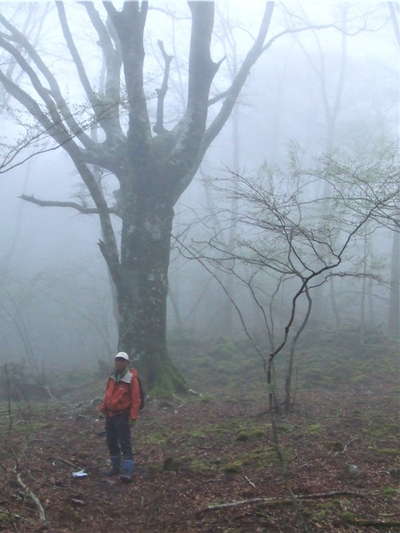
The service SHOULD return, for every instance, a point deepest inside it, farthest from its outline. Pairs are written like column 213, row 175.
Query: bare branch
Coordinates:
column 89, row 156
column 161, row 93
column 62, row 105
column 27, row 29
column 240, row 79
column 72, row 205
column 104, row 111
column 193, row 255
column 98, row 197
column 218, row 97
column 129, row 25
column 76, row 57
column 254, row 53
column 42, row 91
column 112, row 60
column 202, row 70
column 56, row 129
column 168, row 13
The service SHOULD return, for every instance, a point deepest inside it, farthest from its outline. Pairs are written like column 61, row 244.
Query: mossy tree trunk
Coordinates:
column 142, row 288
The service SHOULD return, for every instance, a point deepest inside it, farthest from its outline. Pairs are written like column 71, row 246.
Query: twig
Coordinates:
column 348, row 443
column 249, row 481
column 66, row 462
column 283, row 501
column 34, row 498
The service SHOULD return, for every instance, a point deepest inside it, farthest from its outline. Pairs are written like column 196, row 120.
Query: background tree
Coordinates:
column 394, row 306
column 284, row 239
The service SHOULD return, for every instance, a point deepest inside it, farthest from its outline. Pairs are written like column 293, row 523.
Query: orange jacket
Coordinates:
column 122, row 395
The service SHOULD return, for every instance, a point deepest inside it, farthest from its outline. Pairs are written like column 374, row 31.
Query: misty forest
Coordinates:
column 212, row 190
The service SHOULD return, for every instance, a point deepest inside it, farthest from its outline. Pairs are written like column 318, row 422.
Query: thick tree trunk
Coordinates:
column 142, row 293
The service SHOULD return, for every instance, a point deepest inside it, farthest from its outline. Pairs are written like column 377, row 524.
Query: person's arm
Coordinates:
column 135, row 398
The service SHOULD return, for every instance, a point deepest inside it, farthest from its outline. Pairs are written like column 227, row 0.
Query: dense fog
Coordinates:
column 325, row 91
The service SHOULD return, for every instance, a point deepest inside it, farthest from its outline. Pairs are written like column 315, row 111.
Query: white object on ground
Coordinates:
column 79, row 473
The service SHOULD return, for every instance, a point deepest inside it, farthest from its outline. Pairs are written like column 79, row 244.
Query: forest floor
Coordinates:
column 341, row 447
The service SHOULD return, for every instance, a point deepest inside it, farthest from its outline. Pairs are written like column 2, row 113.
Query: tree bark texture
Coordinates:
column 142, row 287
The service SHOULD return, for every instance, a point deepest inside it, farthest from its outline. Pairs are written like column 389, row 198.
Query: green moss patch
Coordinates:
column 250, row 434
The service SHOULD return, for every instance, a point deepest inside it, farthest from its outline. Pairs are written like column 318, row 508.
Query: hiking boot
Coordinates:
column 127, row 470
column 115, row 466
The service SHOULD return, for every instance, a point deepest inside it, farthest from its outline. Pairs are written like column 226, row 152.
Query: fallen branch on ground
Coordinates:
column 371, row 523
column 34, row 498
column 68, row 463
column 249, row 482
column 283, row 501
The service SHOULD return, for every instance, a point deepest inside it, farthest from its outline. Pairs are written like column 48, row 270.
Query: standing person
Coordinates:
column 121, row 406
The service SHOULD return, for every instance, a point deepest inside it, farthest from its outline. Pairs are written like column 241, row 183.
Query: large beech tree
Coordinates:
column 152, row 163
